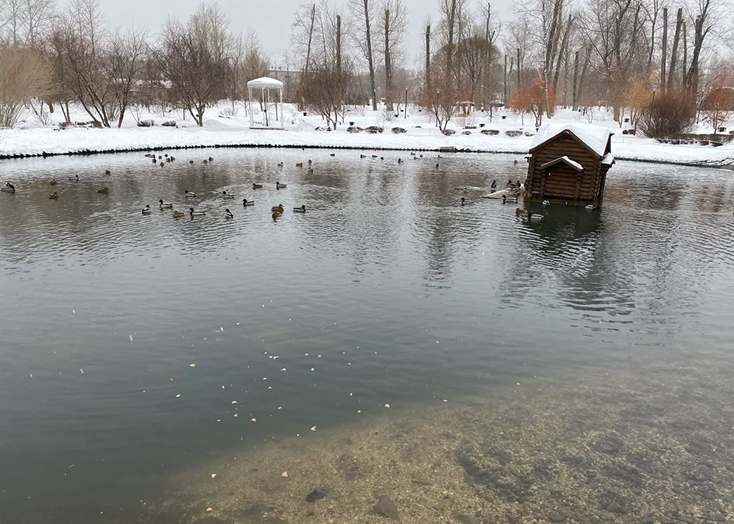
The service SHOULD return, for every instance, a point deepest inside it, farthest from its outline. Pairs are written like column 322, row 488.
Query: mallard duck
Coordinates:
column 226, row 195
column 155, row 160
column 53, row 182
column 74, row 178
column 311, row 161
column 465, row 202
column 191, row 161
column 546, row 202
column 189, row 194
column 521, row 212
column 107, row 172
column 494, row 184
column 400, row 160
column 211, row 159
column 332, row 154
column 54, row 196
column 228, row 214
column 276, row 215
column 8, row 188
column 257, row 186
column 280, row 164
column 165, row 205
column 299, row 164
column 301, row 209
column 104, row 191
column 246, row 202
column 362, row 156
column 147, row 210
column 178, row 214
column 195, row 213
column 511, row 199
column 534, row 217
column 277, row 209
column 206, row 161
column 589, row 207
column 278, row 185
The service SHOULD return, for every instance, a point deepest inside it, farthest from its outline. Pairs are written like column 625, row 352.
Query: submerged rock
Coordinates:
column 387, row 508
column 315, row 495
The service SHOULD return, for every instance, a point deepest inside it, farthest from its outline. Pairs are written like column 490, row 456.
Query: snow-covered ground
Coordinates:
column 224, row 128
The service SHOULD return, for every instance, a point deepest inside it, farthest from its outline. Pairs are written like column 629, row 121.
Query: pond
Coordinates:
column 387, row 353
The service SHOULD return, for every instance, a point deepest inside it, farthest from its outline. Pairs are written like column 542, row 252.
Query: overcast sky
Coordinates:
column 270, row 18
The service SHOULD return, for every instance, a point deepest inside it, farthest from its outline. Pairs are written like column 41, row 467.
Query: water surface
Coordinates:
column 385, row 292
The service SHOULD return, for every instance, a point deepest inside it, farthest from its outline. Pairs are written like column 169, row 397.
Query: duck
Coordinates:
column 146, row 209
column 53, row 182
column 437, row 166
column 276, row 215
column 278, row 185
column 227, row 195
column 155, row 160
column 206, row 161
column 332, row 154
column 191, row 161
column 160, row 157
column 165, row 205
column 277, row 209
column 189, row 194
column 362, row 156
column 301, row 209
column 465, row 202
column 195, row 213
column 104, row 191
column 521, row 212
column 494, row 184
column 74, row 178
column 228, row 214
column 400, row 160
column 299, row 164
column 163, row 164
column 8, row 188
column 246, row 202
column 54, row 196
column 107, row 172
column 257, row 186
column 512, row 199
column 280, row 164
column 516, row 161
column 311, row 161
column 178, row 214
column 534, row 217
column 546, row 202
column 211, row 159
column 589, row 207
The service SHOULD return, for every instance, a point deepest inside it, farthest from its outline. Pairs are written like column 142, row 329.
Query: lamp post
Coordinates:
column 406, row 102
column 654, row 90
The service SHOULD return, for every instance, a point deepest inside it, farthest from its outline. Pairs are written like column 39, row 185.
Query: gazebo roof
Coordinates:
column 265, row 82
column 593, row 137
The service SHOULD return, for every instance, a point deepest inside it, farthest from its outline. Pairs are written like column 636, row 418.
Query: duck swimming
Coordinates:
column 494, row 184
column 74, row 178
column 278, row 185
column 54, row 196
column 465, row 202
column 246, row 202
column 53, row 182
column 165, row 205
column 226, row 195
column 512, row 199
column 104, row 191
column 178, row 214
column 301, row 209
column 146, row 209
column 189, row 194
column 277, row 209
column 194, row 213
column 8, row 188
column 256, row 186
column 228, row 213
column 546, row 202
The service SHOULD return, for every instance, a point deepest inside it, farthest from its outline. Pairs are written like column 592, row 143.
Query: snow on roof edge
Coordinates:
column 595, row 137
column 265, row 82
column 564, row 158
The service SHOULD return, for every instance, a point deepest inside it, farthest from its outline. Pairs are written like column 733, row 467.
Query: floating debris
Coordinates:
column 209, row 509
column 81, row 370
column 71, row 466
column 313, row 428
column 312, row 369
column 254, row 420
column 131, row 338
column 284, row 474
column 192, row 365
column 280, row 407
column 387, row 406
column 177, row 396
column 234, row 402
column 214, row 475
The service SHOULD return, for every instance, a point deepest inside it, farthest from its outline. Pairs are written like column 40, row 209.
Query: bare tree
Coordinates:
column 365, row 10
column 392, row 30
column 125, row 63
column 24, row 75
column 194, row 58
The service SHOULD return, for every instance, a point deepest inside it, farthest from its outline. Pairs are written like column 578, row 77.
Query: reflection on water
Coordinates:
column 385, row 289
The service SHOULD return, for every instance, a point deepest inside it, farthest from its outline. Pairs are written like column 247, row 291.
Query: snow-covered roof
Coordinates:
column 595, row 137
column 265, row 82
column 608, row 159
column 573, row 164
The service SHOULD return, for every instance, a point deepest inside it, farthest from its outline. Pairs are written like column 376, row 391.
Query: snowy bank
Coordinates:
column 419, row 134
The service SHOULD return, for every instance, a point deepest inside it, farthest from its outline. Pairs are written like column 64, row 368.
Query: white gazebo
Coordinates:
column 269, row 93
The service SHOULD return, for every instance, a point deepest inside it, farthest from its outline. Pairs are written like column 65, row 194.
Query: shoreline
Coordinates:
column 46, row 142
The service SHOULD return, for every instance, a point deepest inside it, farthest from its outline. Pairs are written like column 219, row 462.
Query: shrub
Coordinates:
column 669, row 113
column 513, row 133
column 24, row 75
column 490, row 131
column 449, row 132
column 398, row 130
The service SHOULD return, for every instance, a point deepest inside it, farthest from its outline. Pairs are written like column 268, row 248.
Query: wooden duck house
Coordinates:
column 568, row 164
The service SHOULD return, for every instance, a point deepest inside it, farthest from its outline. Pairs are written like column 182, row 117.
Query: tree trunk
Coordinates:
column 428, row 64
column 563, row 49
column 370, row 61
column 504, row 85
column 685, row 50
column 665, row 49
column 519, row 67
column 674, row 53
column 583, row 75
column 388, row 64
column 575, row 92
column 310, row 39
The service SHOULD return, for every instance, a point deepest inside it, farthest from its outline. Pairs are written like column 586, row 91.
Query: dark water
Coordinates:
column 385, row 288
